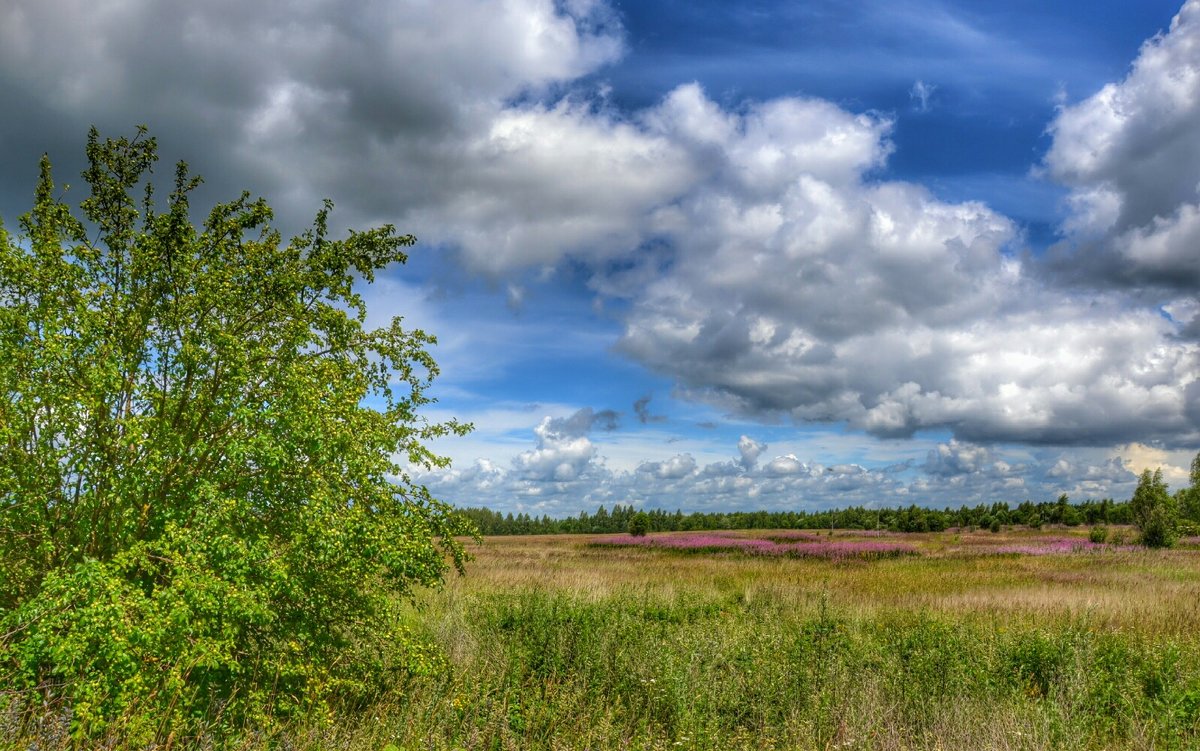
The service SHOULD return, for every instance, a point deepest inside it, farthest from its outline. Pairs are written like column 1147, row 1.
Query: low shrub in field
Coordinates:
column 1098, row 534
column 639, row 525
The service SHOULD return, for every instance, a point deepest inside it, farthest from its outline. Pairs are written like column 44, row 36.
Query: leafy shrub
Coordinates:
column 1098, row 534
column 1159, row 532
column 1155, row 512
column 639, row 524
column 201, row 521
column 1037, row 661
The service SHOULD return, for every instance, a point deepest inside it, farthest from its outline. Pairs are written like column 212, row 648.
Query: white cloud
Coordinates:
column 765, row 266
column 564, row 451
column 674, row 468
column 452, row 50
column 545, row 182
column 749, row 450
column 787, row 465
column 1132, row 158
column 956, row 458
column 955, row 473
column 815, row 292
column 395, row 109
column 921, row 93
column 1137, row 457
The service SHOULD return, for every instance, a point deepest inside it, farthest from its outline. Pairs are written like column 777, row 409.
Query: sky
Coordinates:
column 707, row 255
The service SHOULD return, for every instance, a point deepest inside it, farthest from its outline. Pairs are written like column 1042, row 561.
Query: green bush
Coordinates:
column 1159, row 532
column 201, row 521
column 1155, row 512
column 639, row 524
column 1098, row 534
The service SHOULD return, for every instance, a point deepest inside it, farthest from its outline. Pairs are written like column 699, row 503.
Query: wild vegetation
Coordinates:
column 974, row 640
column 206, row 541
column 200, row 521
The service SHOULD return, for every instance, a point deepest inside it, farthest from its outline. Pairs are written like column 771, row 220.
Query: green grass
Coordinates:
column 556, row 644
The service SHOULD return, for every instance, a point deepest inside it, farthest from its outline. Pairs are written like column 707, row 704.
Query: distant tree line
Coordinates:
column 1160, row 517
column 909, row 519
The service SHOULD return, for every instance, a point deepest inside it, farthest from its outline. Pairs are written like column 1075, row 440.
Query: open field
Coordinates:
column 558, row 642
column 969, row 640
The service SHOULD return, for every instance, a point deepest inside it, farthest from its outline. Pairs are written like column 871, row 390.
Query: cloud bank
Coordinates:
column 565, row 472
column 1132, row 159
column 757, row 254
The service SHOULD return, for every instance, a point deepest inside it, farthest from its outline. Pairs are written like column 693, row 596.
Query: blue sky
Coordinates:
column 710, row 255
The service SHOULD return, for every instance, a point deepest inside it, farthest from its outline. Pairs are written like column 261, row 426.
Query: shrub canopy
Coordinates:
column 1155, row 512
column 203, row 507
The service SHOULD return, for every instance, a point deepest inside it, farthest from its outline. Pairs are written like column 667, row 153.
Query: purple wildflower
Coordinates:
column 795, row 546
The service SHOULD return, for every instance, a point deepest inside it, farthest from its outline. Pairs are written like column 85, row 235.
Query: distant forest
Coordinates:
column 910, row 519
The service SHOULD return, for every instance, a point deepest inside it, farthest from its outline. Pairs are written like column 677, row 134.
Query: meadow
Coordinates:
column 1023, row 639
column 1026, row 639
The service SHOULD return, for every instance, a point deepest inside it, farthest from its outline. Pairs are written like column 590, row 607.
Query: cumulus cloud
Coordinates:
column 765, row 266
column 956, row 458
column 749, row 450
column 678, row 466
column 1132, row 159
column 1136, row 458
column 954, row 473
column 482, row 475
column 401, row 111
column 802, row 287
column 563, row 450
column 787, row 465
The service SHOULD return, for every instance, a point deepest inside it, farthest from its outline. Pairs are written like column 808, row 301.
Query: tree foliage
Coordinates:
column 908, row 519
column 199, row 512
column 1155, row 512
column 1189, row 497
column 639, row 524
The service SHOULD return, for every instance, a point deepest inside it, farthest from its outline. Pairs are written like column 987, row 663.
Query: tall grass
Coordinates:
column 639, row 670
column 556, row 643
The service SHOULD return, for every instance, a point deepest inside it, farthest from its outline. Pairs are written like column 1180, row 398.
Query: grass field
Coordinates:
column 978, row 641
column 968, row 640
